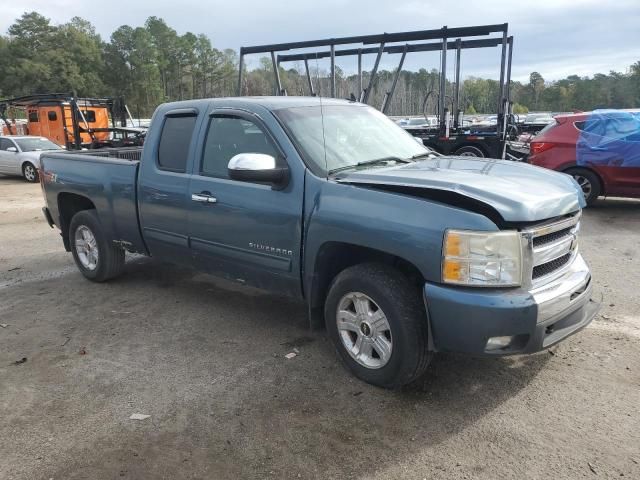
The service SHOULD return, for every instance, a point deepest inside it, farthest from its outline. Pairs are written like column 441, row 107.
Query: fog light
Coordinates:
column 498, row 343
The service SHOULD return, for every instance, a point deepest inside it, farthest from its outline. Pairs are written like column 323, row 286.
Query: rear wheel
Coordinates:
column 588, row 181
column 469, row 151
column 96, row 258
column 377, row 322
column 30, row 172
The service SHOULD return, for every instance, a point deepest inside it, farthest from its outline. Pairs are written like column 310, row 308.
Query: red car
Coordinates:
column 600, row 149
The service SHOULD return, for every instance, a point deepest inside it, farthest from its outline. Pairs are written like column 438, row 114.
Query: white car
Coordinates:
column 20, row 155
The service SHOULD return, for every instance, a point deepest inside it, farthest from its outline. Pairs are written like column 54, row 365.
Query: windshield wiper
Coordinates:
column 375, row 161
column 420, row 155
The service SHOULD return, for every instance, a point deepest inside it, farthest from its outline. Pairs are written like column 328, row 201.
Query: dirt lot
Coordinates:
column 205, row 359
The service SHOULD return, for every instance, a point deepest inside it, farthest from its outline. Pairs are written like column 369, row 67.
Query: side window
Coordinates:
column 52, row 116
column 90, row 115
column 33, row 116
column 594, row 126
column 621, row 126
column 174, row 143
column 228, row 136
column 5, row 143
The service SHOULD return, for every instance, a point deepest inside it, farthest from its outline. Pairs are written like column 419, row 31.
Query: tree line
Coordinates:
column 152, row 64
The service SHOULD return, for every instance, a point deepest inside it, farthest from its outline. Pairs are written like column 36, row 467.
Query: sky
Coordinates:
column 554, row 37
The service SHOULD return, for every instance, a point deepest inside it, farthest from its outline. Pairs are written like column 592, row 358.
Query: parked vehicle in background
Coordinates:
column 542, row 118
column 530, row 125
column 412, row 122
column 600, row 149
column 418, row 122
column 20, row 155
column 399, row 252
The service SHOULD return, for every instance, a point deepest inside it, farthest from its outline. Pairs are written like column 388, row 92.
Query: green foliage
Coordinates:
column 517, row 108
column 152, row 64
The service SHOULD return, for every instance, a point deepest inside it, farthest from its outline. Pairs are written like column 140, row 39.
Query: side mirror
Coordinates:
column 12, row 149
column 257, row 167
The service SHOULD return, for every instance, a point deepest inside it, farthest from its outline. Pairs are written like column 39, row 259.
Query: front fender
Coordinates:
column 405, row 226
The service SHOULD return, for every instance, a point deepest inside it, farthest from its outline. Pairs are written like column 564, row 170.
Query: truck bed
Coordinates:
column 108, row 177
column 125, row 153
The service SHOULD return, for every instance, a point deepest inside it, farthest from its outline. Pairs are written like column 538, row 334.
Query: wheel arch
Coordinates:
column 68, row 205
column 334, row 257
column 28, row 160
column 571, row 166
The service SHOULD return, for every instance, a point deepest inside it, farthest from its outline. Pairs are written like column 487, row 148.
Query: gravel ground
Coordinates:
column 205, row 359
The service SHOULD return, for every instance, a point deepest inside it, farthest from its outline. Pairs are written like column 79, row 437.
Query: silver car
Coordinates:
column 20, row 155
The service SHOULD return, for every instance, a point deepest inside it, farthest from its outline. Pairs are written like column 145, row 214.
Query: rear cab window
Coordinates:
column 175, row 140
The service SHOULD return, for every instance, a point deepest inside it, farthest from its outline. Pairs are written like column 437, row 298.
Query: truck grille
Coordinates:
column 550, row 267
column 551, row 237
column 552, row 247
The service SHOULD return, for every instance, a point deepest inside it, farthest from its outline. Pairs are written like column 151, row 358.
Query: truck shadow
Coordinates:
column 262, row 415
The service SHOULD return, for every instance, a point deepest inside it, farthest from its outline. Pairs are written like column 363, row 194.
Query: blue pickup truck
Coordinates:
column 398, row 251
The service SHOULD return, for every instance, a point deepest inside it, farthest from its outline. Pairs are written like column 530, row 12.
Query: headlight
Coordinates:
column 484, row 259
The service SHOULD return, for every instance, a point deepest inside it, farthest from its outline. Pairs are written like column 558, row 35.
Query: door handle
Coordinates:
column 203, row 198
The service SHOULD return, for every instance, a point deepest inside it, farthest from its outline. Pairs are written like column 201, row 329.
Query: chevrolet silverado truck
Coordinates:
column 398, row 251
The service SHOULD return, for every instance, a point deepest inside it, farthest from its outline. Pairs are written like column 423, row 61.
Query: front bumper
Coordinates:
column 464, row 319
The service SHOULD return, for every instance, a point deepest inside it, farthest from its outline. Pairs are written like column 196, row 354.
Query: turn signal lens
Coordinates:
column 486, row 259
column 453, row 245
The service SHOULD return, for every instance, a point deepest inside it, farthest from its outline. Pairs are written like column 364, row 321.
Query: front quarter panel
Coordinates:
column 408, row 227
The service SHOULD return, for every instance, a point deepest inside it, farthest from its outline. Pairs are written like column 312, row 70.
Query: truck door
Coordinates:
column 245, row 231
column 163, row 187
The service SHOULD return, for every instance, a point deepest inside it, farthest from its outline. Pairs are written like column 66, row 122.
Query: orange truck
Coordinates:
column 71, row 122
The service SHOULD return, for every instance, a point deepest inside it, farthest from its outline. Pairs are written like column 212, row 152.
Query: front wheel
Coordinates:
column 377, row 322
column 96, row 258
column 30, row 172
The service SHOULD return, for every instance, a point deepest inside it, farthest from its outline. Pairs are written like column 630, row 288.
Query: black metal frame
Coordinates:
column 448, row 38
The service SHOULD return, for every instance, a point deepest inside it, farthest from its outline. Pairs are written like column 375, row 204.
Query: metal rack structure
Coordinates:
column 77, row 123
column 449, row 135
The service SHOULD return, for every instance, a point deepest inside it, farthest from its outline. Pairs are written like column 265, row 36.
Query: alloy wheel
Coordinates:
column 585, row 184
column 30, row 173
column 364, row 330
column 86, row 247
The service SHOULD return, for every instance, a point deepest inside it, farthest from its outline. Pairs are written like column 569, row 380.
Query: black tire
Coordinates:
column 588, row 181
column 469, row 151
column 110, row 258
column 30, row 173
column 401, row 303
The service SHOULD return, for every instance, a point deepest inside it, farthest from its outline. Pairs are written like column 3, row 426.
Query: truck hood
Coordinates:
column 519, row 192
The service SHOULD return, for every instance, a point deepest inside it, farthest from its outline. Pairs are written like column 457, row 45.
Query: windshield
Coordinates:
column 353, row 134
column 36, row 144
